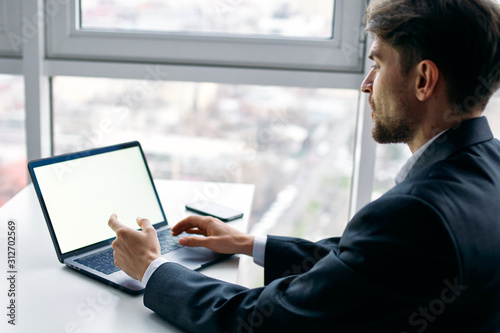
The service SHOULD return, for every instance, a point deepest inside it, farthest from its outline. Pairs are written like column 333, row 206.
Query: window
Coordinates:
column 117, row 30
column 492, row 112
column 13, row 173
column 13, row 176
column 389, row 159
column 311, row 19
column 295, row 144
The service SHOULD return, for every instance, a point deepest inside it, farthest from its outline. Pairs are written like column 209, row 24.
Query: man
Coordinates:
column 425, row 257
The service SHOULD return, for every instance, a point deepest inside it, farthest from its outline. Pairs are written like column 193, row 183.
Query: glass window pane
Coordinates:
column 492, row 112
column 13, row 171
column 294, row 144
column 388, row 160
column 287, row 18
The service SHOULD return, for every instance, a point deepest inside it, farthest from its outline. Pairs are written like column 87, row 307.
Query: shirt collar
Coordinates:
column 406, row 168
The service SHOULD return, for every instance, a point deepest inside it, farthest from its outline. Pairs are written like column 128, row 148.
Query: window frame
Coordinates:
column 343, row 53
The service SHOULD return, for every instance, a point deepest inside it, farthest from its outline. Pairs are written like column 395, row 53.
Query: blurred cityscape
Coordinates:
column 286, row 18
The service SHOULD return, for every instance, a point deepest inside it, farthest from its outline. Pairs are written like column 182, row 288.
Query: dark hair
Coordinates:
column 462, row 37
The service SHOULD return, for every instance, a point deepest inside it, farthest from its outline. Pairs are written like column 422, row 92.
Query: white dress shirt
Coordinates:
column 406, row 168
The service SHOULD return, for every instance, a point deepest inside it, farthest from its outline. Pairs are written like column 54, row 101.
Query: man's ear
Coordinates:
column 427, row 79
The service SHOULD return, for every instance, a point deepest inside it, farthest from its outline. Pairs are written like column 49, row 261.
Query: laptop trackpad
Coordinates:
column 193, row 258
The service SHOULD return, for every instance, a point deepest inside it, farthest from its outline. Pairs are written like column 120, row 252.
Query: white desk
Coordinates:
column 53, row 298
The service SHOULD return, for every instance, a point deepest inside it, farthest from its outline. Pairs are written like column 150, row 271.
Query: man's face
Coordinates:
column 390, row 96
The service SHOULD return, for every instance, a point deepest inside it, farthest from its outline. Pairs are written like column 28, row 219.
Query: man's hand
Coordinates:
column 134, row 250
column 220, row 237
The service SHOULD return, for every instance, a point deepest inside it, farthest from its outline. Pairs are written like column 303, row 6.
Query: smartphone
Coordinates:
column 215, row 210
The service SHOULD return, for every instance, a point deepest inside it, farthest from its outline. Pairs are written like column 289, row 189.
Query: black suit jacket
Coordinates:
column 425, row 257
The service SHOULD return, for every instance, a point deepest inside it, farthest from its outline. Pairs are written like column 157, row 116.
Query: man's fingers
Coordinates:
column 114, row 224
column 196, row 231
column 193, row 241
column 143, row 223
column 190, row 222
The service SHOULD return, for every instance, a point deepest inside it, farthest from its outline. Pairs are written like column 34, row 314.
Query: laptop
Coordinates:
column 78, row 192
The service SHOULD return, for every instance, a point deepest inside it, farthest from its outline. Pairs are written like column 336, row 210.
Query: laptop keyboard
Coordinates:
column 167, row 241
column 103, row 261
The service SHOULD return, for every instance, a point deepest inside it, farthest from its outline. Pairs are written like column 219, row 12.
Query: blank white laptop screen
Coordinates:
column 81, row 194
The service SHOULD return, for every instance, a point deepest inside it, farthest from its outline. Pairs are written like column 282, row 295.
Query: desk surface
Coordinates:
column 51, row 297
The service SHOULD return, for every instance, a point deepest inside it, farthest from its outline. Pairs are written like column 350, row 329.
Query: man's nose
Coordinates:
column 367, row 85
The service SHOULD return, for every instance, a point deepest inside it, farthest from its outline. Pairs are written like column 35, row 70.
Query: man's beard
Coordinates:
column 391, row 129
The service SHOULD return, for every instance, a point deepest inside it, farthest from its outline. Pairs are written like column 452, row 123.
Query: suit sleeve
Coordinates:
column 391, row 260
column 293, row 256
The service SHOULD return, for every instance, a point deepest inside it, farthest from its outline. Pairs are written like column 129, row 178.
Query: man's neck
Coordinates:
column 430, row 129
